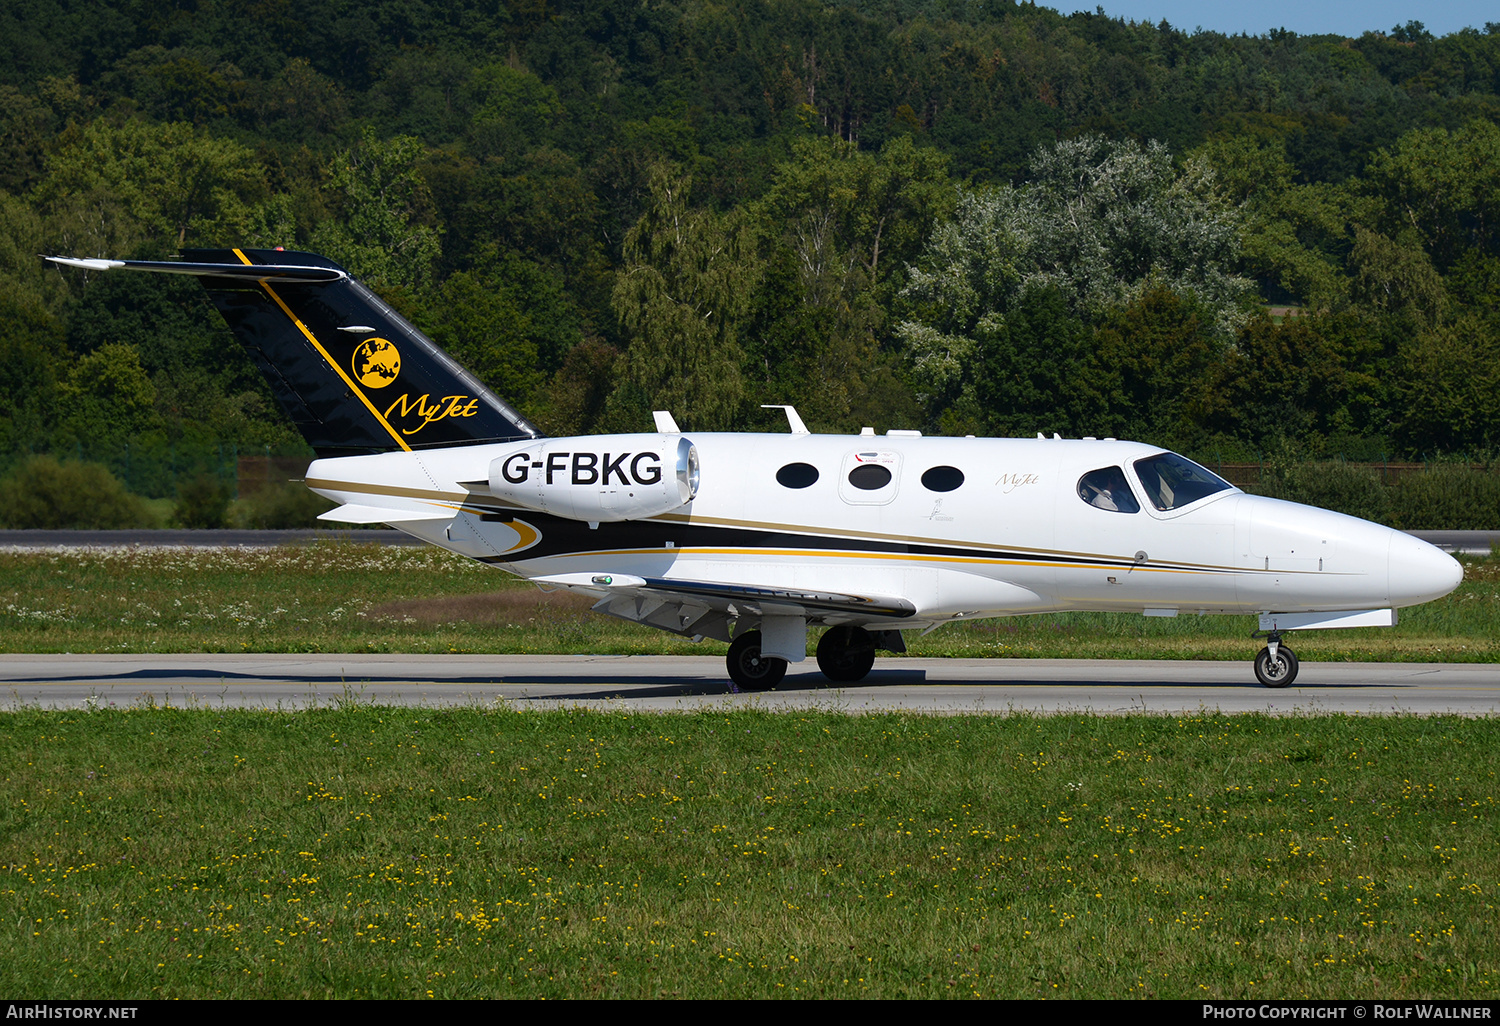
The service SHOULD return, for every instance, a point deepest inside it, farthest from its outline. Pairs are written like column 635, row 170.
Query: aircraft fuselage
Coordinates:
column 961, row 527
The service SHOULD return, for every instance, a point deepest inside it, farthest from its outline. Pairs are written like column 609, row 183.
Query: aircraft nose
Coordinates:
column 1420, row 572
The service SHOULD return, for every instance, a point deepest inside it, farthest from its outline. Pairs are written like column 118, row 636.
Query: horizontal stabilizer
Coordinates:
column 353, row 514
column 254, row 272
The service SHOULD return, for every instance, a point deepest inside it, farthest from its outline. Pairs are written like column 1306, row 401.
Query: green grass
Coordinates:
column 357, row 852
column 333, row 597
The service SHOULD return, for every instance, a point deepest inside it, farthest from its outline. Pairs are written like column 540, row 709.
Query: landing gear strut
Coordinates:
column 749, row 669
column 1276, row 665
column 846, row 653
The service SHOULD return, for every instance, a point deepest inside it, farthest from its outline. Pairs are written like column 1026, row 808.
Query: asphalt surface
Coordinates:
column 690, row 683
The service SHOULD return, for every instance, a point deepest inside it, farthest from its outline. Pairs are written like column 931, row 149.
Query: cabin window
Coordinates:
column 1106, row 489
column 797, row 475
column 942, row 479
column 1171, row 481
column 870, row 477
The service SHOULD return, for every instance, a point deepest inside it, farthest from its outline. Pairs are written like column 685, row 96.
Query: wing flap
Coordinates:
column 735, row 599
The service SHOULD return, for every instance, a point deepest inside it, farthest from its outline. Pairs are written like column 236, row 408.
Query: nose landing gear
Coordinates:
column 1275, row 665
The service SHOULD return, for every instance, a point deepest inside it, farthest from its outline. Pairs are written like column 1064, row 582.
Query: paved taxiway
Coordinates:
column 686, row 683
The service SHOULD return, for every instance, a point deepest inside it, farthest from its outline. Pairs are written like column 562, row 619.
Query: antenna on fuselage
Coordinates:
column 798, row 428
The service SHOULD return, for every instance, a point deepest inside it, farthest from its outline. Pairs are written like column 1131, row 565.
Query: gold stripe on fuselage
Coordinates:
column 1058, row 559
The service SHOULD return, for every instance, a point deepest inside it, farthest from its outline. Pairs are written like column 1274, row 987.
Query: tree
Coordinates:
column 959, row 293
column 837, row 225
column 1162, row 352
column 166, row 182
column 1292, row 233
column 1106, row 221
column 871, row 211
column 1393, row 278
column 1099, row 224
column 108, row 397
column 484, row 328
column 1440, row 191
column 384, row 232
column 1034, row 370
column 687, row 285
column 1450, row 375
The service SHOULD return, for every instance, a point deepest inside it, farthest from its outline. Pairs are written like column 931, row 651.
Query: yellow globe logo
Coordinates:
column 376, row 363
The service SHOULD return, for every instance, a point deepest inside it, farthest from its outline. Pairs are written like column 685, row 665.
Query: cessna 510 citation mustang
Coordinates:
column 753, row 538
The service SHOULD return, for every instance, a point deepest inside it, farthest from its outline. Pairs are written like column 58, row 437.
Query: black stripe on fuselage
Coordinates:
column 564, row 537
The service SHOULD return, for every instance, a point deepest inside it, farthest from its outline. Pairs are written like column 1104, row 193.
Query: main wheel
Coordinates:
column 751, row 670
column 1278, row 672
column 846, row 653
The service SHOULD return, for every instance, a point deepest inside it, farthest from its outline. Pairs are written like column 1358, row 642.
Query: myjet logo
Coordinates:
column 377, row 364
column 412, row 415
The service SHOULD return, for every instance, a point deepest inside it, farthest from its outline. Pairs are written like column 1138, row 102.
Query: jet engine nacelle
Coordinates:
column 600, row 478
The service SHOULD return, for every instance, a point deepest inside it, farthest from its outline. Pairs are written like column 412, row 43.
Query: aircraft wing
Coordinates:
column 706, row 607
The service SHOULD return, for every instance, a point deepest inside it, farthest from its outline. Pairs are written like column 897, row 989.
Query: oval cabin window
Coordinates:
column 942, row 479
column 797, row 475
column 869, row 477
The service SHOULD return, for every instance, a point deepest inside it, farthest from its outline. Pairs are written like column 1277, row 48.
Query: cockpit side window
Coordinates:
column 1106, row 489
column 1172, row 481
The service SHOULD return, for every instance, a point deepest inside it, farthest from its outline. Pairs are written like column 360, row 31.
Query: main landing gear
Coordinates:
column 749, row 669
column 845, row 654
column 1275, row 665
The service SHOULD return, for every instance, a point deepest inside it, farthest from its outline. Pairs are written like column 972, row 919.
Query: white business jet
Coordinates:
column 753, row 538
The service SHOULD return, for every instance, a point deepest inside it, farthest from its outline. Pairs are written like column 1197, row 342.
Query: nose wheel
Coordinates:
column 1276, row 665
column 751, row 670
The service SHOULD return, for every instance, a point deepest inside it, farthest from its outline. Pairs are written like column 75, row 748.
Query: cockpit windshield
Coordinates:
column 1172, row 481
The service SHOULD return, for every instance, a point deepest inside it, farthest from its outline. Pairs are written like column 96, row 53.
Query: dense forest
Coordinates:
column 976, row 217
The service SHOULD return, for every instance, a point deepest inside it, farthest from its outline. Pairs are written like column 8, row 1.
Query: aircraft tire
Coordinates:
column 846, row 654
column 1277, row 674
column 748, row 669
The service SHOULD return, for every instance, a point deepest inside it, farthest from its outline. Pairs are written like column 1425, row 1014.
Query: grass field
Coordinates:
column 465, row 853
column 360, row 851
column 334, row 597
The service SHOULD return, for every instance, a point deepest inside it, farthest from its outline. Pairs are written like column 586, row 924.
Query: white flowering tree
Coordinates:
column 1097, row 224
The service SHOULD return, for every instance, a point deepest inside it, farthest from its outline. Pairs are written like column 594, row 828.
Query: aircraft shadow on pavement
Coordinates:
column 661, row 686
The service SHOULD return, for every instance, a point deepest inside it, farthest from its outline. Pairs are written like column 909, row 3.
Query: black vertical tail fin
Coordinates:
column 354, row 375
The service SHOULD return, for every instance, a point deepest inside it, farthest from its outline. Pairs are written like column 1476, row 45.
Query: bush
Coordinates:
column 202, row 502
column 282, row 507
column 43, row 493
column 1356, row 491
column 1455, row 498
